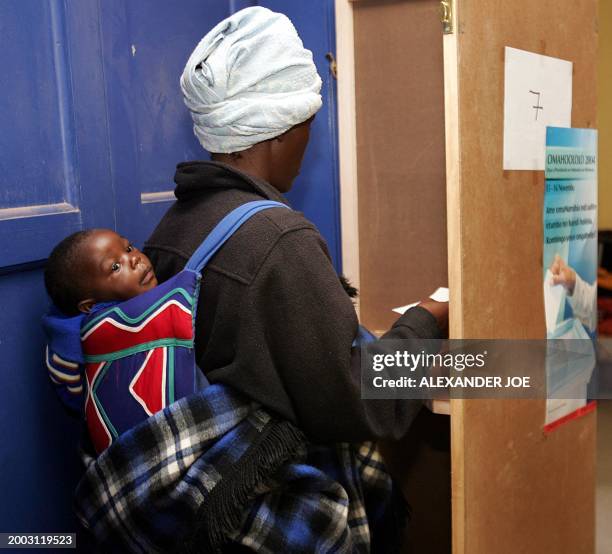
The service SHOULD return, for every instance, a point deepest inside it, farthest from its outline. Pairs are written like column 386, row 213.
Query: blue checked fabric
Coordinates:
column 213, row 470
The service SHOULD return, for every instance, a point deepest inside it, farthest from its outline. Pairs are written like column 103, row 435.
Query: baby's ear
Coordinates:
column 85, row 306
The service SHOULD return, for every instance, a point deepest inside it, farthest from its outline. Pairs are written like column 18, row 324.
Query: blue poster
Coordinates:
column 570, row 257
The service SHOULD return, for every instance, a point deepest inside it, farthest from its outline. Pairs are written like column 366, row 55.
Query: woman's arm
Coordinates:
column 298, row 324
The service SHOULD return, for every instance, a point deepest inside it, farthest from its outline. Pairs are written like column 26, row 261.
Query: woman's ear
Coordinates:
column 85, row 306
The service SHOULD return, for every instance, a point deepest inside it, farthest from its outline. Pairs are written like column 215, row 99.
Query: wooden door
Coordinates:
column 515, row 489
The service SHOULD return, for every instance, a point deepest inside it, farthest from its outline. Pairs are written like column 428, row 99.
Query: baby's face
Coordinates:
column 115, row 269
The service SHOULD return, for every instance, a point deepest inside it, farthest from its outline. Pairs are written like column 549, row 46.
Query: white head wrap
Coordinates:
column 249, row 79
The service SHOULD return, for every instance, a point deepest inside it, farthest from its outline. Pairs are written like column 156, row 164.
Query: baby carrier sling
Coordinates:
column 139, row 354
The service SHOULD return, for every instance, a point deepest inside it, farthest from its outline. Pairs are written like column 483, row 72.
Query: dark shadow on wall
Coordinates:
column 421, row 464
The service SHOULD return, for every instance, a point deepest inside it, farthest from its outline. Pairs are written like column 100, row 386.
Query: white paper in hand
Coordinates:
column 403, row 309
column 440, row 295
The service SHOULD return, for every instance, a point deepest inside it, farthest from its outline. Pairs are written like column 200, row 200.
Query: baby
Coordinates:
column 96, row 265
column 143, row 361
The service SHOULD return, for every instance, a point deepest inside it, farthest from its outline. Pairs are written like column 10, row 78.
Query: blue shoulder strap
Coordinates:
column 225, row 229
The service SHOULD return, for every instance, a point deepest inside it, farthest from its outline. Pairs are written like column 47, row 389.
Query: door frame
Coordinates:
column 347, row 142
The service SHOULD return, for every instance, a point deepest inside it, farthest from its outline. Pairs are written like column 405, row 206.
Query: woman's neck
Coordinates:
column 253, row 162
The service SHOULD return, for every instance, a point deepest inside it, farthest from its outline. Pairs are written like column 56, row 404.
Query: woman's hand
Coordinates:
column 440, row 311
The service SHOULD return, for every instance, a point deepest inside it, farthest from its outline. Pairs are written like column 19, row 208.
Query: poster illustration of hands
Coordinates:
column 570, row 265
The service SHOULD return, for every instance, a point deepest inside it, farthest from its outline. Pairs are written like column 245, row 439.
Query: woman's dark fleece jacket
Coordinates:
column 273, row 320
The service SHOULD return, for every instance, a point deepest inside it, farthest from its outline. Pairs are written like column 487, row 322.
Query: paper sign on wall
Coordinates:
column 537, row 94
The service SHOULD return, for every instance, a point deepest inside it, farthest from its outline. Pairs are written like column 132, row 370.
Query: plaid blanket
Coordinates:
column 214, row 470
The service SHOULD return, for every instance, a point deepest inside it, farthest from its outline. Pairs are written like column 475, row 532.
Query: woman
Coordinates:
column 237, row 468
column 274, row 320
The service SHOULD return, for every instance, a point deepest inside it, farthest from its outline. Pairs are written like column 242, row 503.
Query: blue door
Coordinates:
column 93, row 126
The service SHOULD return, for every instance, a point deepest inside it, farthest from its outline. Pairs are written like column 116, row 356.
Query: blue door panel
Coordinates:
column 237, row 5
column 27, row 239
column 94, row 127
column 97, row 195
column 39, row 200
column 59, row 150
column 145, row 51
column 38, row 462
column 35, row 109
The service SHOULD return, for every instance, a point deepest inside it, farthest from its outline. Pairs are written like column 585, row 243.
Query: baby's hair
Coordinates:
column 63, row 274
